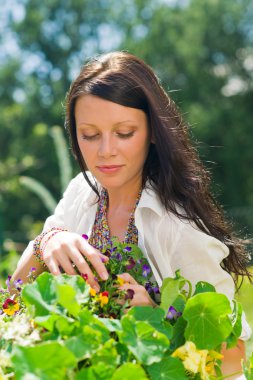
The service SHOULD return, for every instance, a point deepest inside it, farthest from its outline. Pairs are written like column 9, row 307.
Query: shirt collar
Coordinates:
column 149, row 199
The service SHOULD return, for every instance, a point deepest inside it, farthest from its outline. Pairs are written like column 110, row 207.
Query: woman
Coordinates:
column 145, row 185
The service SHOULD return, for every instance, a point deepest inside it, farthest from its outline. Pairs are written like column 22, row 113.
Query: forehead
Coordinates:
column 92, row 109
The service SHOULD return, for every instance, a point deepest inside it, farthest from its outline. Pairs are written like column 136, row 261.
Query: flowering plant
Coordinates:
column 111, row 302
column 54, row 329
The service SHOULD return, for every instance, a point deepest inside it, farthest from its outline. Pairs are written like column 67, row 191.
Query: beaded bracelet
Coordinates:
column 37, row 242
column 48, row 238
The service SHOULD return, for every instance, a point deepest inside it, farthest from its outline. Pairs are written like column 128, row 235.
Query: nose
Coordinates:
column 107, row 146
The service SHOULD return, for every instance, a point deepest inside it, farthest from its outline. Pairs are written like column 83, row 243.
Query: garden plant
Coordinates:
column 58, row 327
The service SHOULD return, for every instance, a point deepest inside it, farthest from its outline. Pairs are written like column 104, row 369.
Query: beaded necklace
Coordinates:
column 100, row 235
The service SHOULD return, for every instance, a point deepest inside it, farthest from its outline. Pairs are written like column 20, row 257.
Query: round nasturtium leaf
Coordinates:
column 47, row 361
column 167, row 369
column 146, row 343
column 208, row 322
column 130, row 371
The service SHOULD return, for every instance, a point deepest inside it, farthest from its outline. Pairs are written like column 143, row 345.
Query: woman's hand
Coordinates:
column 140, row 295
column 66, row 249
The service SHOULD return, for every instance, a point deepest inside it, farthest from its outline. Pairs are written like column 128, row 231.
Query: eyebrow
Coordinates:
column 116, row 124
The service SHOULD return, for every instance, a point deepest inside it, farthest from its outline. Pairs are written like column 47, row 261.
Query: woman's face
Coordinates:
column 114, row 141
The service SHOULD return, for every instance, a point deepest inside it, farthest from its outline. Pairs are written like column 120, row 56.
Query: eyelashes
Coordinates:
column 96, row 136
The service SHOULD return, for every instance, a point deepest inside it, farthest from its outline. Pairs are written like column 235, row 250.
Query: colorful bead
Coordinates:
column 38, row 253
column 100, row 235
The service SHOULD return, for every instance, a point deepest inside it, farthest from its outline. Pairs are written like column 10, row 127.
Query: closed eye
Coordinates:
column 125, row 135
column 90, row 138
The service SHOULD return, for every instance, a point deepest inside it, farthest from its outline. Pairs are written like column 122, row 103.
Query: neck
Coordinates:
column 123, row 199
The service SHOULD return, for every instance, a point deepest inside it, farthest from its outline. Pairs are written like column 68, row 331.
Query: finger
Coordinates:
column 67, row 266
column 95, row 257
column 128, row 278
column 84, row 268
column 53, row 267
column 134, row 287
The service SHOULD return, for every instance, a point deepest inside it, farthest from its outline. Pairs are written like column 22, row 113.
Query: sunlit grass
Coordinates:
column 245, row 296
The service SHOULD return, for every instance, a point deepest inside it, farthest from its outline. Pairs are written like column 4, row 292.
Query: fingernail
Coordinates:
column 104, row 276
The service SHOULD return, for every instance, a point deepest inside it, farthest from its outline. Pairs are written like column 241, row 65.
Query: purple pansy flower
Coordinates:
column 172, row 314
column 145, row 270
column 17, row 284
column 148, row 287
column 156, row 290
column 118, row 256
column 131, row 264
column 129, row 294
column 8, row 282
column 127, row 249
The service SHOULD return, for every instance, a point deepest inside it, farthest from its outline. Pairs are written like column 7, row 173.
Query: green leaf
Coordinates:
column 130, row 371
column 85, row 344
column 80, row 286
column 171, row 289
column 47, row 361
column 102, row 371
column 63, row 323
column 111, row 324
column 86, row 374
column 179, row 303
column 203, row 287
column 47, row 321
column 145, row 342
column 178, row 338
column 167, row 369
column 124, row 353
column 248, row 368
column 88, row 319
column 237, row 325
column 107, row 354
column 154, row 316
column 208, row 322
column 56, row 294
column 41, row 294
column 66, row 296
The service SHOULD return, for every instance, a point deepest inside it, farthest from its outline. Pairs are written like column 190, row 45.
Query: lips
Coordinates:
column 109, row 168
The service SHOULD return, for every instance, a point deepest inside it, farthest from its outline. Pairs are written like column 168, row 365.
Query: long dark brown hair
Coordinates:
column 172, row 167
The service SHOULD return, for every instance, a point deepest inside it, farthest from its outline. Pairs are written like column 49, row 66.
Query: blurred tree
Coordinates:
column 203, row 53
column 201, row 49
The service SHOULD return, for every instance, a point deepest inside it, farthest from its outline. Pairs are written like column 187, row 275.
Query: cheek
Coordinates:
column 85, row 150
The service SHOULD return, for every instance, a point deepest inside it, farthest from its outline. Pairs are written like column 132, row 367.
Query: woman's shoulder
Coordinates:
column 79, row 189
column 177, row 227
column 79, row 183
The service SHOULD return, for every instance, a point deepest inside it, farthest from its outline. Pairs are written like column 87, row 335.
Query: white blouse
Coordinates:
column 168, row 242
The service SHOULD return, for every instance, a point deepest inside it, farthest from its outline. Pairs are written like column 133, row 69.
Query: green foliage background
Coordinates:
column 202, row 50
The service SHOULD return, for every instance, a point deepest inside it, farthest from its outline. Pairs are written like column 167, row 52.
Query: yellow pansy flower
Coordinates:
column 92, row 292
column 103, row 298
column 121, row 281
column 10, row 306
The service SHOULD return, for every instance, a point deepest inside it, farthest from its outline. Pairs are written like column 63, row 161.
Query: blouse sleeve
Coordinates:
column 199, row 257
